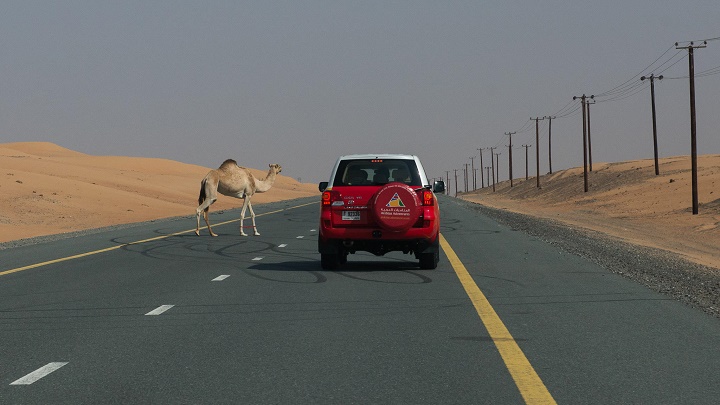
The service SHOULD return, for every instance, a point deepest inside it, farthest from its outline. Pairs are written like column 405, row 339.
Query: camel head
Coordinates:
column 275, row 168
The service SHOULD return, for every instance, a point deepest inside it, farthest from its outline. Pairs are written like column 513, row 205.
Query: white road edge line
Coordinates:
column 159, row 310
column 221, row 278
column 39, row 373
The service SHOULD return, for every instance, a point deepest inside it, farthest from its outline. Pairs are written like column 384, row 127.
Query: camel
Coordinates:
column 233, row 181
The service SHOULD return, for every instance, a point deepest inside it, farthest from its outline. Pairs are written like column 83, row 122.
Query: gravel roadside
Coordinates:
column 662, row 271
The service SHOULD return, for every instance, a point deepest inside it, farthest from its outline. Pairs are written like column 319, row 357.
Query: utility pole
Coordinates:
column 455, row 182
column 510, row 163
column 587, row 105
column 537, row 148
column 693, row 125
column 492, row 163
column 487, row 173
column 466, row 176
column 497, row 166
column 652, row 98
column 526, row 161
column 447, row 176
column 585, row 171
column 456, row 188
column 472, row 165
column 550, row 143
column 482, row 180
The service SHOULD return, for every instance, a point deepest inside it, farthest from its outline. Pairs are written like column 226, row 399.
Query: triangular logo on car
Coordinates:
column 395, row 201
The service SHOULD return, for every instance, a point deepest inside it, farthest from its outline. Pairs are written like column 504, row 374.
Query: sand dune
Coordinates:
column 627, row 200
column 46, row 189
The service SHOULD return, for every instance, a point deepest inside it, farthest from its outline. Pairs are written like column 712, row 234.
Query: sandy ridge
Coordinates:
column 47, row 189
column 628, row 201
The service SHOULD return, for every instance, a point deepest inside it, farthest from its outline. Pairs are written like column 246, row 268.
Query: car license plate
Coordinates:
column 351, row 215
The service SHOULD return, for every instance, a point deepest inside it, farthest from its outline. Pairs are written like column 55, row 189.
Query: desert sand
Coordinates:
column 46, row 189
column 627, row 201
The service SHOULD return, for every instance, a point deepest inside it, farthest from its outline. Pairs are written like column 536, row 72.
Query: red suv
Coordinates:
column 379, row 204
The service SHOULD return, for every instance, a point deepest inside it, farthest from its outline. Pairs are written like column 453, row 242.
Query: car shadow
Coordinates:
column 351, row 266
column 388, row 272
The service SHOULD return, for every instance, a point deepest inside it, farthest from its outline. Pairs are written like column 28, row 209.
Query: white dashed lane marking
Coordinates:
column 257, row 259
column 221, row 278
column 282, row 245
column 159, row 310
column 38, row 374
column 300, row 237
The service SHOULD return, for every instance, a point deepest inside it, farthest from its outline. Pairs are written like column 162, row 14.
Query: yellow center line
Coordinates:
column 527, row 380
column 94, row 252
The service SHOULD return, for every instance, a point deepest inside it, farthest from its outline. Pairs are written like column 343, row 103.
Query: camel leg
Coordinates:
column 246, row 202
column 205, row 215
column 201, row 210
column 252, row 215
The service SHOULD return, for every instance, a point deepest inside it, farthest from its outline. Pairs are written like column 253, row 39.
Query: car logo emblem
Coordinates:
column 395, row 201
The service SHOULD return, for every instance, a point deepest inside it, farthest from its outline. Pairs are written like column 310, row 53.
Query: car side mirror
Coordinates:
column 439, row 186
column 322, row 186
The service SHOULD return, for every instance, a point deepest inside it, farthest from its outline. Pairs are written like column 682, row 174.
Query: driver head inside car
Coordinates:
column 356, row 176
column 401, row 174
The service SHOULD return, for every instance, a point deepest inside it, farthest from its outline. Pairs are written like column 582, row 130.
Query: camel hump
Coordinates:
column 228, row 162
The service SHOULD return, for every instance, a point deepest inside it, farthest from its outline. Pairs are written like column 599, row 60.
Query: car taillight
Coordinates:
column 331, row 198
column 427, row 197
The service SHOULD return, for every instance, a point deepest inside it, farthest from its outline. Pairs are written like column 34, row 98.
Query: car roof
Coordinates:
column 377, row 156
column 384, row 156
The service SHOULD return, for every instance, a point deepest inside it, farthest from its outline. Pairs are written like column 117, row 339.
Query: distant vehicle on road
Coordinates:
column 379, row 204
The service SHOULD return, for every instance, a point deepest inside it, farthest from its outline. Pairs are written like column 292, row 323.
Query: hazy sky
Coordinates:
column 301, row 82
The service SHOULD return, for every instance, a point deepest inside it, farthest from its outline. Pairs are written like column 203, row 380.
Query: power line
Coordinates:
column 570, row 105
column 615, row 89
column 526, row 127
column 636, row 90
column 708, row 72
column 682, row 56
column 632, row 86
column 570, row 113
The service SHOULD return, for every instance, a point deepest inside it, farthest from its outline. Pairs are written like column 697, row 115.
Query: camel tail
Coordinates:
column 202, row 196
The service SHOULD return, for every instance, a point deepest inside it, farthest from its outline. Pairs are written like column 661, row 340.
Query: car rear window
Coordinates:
column 376, row 172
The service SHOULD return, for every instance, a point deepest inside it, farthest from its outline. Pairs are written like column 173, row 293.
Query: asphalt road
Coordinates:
column 152, row 314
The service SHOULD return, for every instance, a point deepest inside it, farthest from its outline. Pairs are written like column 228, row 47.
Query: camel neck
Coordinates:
column 266, row 183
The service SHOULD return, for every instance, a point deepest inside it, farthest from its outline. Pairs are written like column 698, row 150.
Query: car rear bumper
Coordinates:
column 378, row 241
